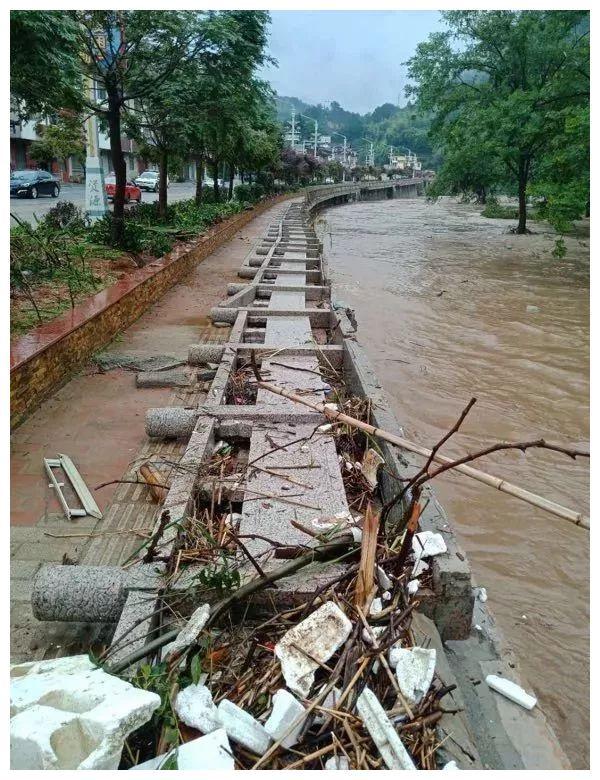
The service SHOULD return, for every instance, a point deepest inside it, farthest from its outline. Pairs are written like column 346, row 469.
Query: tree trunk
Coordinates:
column 216, row 181
column 162, row 184
column 231, row 175
column 118, row 162
column 199, row 177
column 522, row 226
column 242, row 177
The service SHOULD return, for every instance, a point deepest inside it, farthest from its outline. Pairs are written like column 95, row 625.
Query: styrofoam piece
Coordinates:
column 376, row 607
column 374, row 631
column 286, row 710
column 68, row 714
column 190, row 632
column 382, row 732
column 243, row 728
column 415, row 667
column 419, row 567
column 451, row 765
column 426, row 544
column 412, row 587
column 385, row 583
column 337, row 762
column 195, row 707
column 330, row 702
column 212, row 751
column 319, row 636
column 482, row 595
column 511, row 690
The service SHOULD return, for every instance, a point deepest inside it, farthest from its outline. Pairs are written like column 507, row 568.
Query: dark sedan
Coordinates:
column 31, row 184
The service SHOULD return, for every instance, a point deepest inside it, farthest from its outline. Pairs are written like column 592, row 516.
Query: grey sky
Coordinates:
column 354, row 57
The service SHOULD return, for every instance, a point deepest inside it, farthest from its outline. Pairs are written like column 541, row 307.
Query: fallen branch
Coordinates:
column 323, row 553
column 458, row 465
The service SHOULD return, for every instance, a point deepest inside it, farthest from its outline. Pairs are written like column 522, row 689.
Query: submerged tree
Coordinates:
column 508, row 76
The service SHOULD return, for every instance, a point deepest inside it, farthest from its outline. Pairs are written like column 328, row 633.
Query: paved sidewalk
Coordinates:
column 98, row 420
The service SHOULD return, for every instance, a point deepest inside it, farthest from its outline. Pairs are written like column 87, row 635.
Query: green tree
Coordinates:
column 44, row 70
column 131, row 55
column 509, row 75
column 60, row 140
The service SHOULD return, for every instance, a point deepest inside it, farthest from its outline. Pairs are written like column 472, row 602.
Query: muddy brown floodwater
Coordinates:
column 450, row 305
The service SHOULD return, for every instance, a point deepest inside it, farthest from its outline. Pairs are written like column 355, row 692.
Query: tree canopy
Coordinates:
column 502, row 87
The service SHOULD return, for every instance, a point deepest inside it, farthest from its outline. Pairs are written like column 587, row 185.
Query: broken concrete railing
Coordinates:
column 171, row 422
column 89, row 594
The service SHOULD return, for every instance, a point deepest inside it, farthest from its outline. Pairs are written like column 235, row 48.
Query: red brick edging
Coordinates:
column 44, row 359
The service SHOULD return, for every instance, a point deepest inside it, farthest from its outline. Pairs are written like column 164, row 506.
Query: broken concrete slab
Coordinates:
column 172, row 378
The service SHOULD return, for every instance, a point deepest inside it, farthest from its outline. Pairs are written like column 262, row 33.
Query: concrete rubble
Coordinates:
column 283, row 323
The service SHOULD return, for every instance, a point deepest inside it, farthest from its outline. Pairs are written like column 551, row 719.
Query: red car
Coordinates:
column 131, row 191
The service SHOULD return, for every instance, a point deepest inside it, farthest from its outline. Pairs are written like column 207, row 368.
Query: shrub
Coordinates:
column 65, row 216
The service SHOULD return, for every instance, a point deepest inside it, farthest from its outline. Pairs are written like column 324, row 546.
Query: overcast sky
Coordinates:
column 354, row 57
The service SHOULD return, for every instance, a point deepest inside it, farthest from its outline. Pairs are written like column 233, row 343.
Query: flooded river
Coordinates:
column 450, row 305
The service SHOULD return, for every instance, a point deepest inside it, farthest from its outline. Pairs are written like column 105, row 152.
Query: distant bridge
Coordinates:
column 348, row 192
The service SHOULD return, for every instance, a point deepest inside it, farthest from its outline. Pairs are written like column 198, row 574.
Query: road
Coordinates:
column 25, row 208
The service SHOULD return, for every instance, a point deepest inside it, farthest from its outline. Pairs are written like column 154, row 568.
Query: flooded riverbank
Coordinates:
column 450, row 305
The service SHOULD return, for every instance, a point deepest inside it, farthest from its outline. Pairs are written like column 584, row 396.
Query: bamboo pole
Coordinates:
column 487, row 479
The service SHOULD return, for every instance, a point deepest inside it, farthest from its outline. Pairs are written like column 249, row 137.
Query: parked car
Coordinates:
column 149, row 180
column 132, row 192
column 31, row 184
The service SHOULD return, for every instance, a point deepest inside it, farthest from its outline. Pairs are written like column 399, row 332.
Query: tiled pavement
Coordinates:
column 98, row 420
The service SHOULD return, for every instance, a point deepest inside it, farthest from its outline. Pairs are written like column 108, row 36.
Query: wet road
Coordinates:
column 450, row 305
column 27, row 209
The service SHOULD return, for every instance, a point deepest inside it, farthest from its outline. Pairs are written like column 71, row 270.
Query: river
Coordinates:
column 451, row 305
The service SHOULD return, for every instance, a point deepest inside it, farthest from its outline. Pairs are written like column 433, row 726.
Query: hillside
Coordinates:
column 387, row 125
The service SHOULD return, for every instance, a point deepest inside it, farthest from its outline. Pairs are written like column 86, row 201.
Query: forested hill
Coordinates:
column 387, row 125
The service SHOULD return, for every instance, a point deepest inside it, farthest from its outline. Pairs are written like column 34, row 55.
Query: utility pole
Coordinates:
column 294, row 129
column 391, row 155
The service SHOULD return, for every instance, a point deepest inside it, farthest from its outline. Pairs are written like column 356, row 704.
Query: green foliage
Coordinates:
column 52, row 253
column 494, row 210
column 220, row 575
column 59, row 141
column 65, row 215
column 145, row 230
column 498, row 84
column 44, row 70
column 560, row 250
